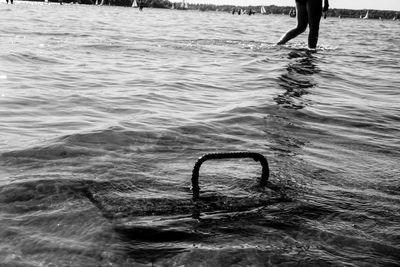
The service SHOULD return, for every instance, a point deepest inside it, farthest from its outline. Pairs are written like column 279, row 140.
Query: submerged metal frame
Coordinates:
column 255, row 156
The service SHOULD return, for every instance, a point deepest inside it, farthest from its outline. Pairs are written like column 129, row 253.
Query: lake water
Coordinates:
column 105, row 110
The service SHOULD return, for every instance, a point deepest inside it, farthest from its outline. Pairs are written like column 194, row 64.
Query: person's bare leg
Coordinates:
column 314, row 10
column 302, row 21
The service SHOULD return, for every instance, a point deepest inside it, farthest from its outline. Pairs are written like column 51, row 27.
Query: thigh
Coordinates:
column 301, row 10
column 314, row 10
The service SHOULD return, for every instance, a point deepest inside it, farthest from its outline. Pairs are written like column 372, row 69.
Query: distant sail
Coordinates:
column 263, row 11
column 366, row 15
column 134, row 4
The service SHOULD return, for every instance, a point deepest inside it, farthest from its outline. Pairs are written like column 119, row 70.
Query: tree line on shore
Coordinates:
column 146, row 3
column 285, row 10
column 271, row 9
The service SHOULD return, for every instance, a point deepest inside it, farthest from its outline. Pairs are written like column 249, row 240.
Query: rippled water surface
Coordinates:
column 105, row 110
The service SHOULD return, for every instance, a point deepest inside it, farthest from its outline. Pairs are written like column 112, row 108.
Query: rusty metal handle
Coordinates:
column 255, row 156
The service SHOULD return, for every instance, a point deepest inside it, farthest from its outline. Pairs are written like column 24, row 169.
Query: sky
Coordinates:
column 350, row 4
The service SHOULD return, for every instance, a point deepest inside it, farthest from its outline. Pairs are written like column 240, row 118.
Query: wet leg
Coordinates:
column 302, row 21
column 314, row 10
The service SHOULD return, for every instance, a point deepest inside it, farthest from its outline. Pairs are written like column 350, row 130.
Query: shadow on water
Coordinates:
column 297, row 80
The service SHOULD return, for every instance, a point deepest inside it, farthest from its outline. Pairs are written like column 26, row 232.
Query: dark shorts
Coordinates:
column 305, row 1
column 312, row 2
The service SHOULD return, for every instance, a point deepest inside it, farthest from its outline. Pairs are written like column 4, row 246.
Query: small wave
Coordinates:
column 297, row 80
column 117, row 138
column 39, row 194
column 18, row 32
column 105, row 47
column 30, row 58
column 102, row 142
column 302, row 48
column 51, row 152
column 211, row 45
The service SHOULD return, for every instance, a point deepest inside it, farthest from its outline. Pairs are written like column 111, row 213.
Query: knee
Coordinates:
column 301, row 28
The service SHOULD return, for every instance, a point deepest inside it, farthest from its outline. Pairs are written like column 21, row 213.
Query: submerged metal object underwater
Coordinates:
column 256, row 156
column 116, row 204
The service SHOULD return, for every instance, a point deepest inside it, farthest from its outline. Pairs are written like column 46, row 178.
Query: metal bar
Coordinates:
column 255, row 156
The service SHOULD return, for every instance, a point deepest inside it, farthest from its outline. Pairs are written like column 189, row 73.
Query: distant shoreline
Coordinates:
column 271, row 9
column 285, row 10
